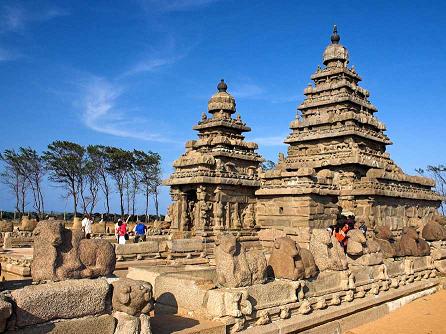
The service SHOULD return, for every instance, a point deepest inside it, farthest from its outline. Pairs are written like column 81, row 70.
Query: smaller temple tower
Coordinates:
column 214, row 181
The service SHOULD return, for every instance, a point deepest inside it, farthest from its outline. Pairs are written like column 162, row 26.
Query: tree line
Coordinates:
column 84, row 173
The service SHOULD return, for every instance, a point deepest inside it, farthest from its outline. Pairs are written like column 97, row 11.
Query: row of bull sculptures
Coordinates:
column 238, row 267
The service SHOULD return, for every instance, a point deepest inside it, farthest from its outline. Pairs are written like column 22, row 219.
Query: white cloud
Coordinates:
column 151, row 64
column 101, row 113
column 16, row 18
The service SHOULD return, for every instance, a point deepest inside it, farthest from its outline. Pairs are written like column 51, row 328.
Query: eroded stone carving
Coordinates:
column 362, row 251
column 327, row 252
column 61, row 254
column 433, row 231
column 235, row 267
column 411, row 244
column 132, row 297
column 289, row 261
column 384, row 237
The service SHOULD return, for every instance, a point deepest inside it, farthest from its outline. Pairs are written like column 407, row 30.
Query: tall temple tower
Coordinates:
column 214, row 181
column 337, row 160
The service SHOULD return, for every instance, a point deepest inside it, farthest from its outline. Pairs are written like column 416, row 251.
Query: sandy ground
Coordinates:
column 426, row 315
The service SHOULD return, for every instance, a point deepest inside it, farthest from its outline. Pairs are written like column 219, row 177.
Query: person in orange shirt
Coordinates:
column 340, row 233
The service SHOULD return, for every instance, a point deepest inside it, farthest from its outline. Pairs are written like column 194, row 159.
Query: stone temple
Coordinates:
column 336, row 164
column 214, row 182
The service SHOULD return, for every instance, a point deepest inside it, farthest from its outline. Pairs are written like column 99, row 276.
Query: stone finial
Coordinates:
column 335, row 38
column 222, row 86
column 221, row 101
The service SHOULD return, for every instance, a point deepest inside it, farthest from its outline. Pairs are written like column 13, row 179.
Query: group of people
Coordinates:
column 345, row 224
column 122, row 233
column 121, row 230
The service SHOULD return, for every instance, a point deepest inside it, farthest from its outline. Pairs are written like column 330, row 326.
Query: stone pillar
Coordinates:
column 183, row 212
column 218, row 215
column 235, row 217
column 228, row 216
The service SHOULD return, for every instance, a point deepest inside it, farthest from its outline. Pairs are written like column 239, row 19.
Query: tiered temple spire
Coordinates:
column 214, row 180
column 337, row 160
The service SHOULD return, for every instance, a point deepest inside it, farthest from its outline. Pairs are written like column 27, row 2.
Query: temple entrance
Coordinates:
column 191, row 195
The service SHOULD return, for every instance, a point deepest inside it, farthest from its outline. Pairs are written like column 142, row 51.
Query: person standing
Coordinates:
column 122, row 232
column 86, row 226
column 117, row 227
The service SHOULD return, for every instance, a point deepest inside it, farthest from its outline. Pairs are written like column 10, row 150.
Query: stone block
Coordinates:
column 273, row 293
column 130, row 324
column 270, row 234
column 440, row 265
column 61, row 300
column 227, row 302
column 6, row 226
column 147, row 247
column 5, row 313
column 185, row 245
column 438, row 252
column 394, row 267
column 103, row 324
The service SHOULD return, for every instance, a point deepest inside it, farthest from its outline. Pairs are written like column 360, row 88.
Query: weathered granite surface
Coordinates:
column 68, row 299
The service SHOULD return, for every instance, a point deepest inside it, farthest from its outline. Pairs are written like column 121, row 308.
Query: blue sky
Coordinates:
column 138, row 74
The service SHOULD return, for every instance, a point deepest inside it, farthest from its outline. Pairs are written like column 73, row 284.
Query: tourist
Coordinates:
column 340, row 233
column 140, row 232
column 350, row 221
column 122, row 232
column 117, row 227
column 86, row 226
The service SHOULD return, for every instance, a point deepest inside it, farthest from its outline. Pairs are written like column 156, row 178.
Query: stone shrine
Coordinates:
column 213, row 185
column 337, row 162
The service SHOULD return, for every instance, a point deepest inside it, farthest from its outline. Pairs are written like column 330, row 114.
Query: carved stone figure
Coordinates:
column 61, row 254
column 235, row 267
column 362, row 251
column 291, row 262
column 218, row 215
column 411, row 244
column 235, row 217
column 132, row 297
column 27, row 224
column 327, row 252
column 248, row 216
column 434, row 231
column 383, row 236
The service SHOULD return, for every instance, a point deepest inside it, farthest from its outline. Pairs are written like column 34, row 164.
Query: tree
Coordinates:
column 119, row 164
column 92, row 177
column 34, row 171
column 268, row 165
column 133, row 185
column 148, row 166
column 438, row 173
column 14, row 176
column 65, row 162
column 98, row 156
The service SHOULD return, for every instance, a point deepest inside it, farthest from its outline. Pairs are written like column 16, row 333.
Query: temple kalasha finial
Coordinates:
column 222, row 86
column 335, row 38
